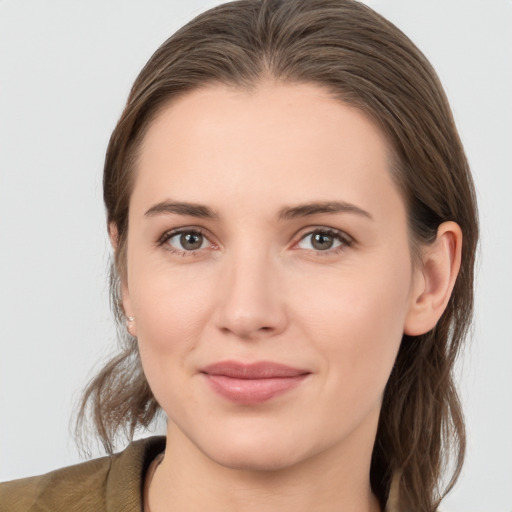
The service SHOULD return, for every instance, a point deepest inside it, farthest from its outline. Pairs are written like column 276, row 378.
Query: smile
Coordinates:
column 250, row 384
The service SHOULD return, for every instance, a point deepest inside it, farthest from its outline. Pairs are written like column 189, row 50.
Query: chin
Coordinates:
column 255, row 460
column 255, row 453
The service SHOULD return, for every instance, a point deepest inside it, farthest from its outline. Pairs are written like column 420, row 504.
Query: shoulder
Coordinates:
column 81, row 486
column 115, row 480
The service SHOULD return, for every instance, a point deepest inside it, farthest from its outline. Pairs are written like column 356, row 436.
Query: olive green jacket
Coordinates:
column 108, row 484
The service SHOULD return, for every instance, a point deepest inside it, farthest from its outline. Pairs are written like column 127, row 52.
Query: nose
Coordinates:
column 251, row 301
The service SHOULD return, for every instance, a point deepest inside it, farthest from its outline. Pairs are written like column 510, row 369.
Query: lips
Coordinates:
column 253, row 383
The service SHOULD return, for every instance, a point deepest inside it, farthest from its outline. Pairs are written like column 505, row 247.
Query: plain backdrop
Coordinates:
column 65, row 71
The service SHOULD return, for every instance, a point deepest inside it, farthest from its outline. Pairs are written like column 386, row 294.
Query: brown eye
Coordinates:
column 323, row 240
column 188, row 241
column 191, row 241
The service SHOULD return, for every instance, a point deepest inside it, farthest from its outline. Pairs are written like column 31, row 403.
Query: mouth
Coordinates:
column 253, row 383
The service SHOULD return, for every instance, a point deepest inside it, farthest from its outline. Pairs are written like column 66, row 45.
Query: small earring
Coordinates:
column 130, row 324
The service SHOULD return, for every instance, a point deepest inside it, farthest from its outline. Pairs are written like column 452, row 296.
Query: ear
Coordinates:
column 131, row 325
column 113, row 235
column 434, row 280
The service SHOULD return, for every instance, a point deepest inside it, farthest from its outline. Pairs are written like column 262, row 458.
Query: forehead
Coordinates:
column 286, row 143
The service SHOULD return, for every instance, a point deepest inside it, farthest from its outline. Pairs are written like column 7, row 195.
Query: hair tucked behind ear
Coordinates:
column 366, row 62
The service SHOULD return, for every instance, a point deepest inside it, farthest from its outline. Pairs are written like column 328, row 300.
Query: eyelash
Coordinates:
column 345, row 240
column 162, row 241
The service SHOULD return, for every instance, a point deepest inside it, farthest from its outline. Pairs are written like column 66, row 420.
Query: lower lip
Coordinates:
column 252, row 391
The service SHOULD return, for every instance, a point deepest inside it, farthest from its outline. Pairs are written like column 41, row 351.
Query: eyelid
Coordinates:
column 345, row 239
column 167, row 235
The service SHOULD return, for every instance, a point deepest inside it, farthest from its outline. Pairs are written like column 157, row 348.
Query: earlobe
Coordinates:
column 113, row 235
column 131, row 325
column 434, row 280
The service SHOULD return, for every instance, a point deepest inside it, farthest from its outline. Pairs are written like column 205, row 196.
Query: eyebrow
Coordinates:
column 304, row 210
column 290, row 212
column 181, row 208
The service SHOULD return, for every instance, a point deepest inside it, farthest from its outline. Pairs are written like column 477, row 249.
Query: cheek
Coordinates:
column 358, row 325
column 169, row 303
column 171, row 310
column 169, row 323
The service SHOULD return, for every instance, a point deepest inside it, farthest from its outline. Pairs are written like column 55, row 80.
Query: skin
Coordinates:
column 257, row 289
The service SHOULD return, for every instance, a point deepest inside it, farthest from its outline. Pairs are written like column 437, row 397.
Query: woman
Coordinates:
column 294, row 229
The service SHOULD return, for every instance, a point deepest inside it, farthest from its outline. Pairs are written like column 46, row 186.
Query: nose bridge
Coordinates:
column 250, row 299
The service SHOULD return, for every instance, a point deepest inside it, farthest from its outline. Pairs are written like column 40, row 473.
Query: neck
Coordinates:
column 187, row 479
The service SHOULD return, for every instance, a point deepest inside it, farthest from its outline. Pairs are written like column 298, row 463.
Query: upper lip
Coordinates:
column 257, row 370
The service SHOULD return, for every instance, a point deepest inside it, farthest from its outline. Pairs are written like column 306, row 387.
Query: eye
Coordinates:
column 323, row 240
column 186, row 241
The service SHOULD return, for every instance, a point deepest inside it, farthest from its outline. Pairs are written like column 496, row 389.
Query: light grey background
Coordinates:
column 65, row 71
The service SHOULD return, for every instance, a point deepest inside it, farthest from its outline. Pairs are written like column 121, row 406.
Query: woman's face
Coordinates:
column 269, row 274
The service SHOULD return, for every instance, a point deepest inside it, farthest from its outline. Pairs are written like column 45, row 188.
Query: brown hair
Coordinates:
column 366, row 62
